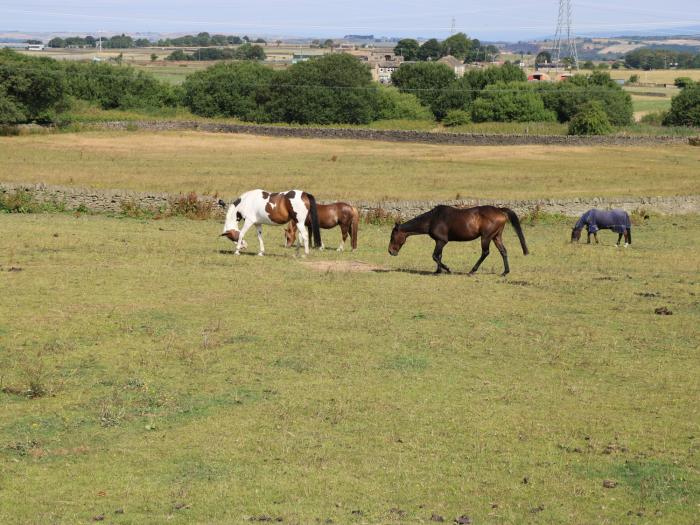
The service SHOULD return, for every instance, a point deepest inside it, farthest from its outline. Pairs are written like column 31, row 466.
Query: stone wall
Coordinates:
column 112, row 201
column 464, row 139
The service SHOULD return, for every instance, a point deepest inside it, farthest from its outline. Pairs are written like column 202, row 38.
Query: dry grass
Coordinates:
column 229, row 164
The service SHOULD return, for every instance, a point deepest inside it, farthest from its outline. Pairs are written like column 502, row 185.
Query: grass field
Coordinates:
column 230, row 164
column 658, row 76
column 149, row 376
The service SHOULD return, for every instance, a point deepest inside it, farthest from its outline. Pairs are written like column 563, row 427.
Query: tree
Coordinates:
column 457, row 45
column 334, row 88
column 588, row 64
column 543, row 57
column 430, row 50
column 31, row 89
column 393, row 104
column 685, row 107
column 328, row 43
column 590, row 120
column 407, row 48
column 57, row 42
column 239, row 89
column 426, row 80
column 154, row 57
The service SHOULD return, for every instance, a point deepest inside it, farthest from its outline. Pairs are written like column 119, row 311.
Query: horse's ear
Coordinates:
column 222, row 203
column 396, row 223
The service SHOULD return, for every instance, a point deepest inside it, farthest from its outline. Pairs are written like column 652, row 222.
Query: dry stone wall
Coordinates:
column 114, row 200
column 426, row 137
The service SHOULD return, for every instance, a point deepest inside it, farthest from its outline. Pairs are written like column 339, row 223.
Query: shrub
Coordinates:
column 457, row 117
column 655, row 118
column 510, row 102
column 113, row 87
column 685, row 108
column 240, row 90
column 192, row 207
column 633, row 79
column 683, row 82
column 591, row 120
column 395, row 105
column 332, row 89
column 567, row 98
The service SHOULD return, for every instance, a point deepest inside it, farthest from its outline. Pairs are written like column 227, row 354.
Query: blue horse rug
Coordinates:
column 594, row 220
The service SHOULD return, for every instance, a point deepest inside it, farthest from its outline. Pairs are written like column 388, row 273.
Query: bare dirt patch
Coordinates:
column 341, row 266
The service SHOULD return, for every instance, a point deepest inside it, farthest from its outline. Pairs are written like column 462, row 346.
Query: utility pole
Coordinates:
column 564, row 25
column 453, row 27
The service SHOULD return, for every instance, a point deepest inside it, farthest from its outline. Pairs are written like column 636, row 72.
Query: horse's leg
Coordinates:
column 595, row 236
column 246, row 226
column 589, row 238
column 260, row 239
column 485, row 241
column 628, row 241
column 619, row 238
column 305, row 238
column 498, row 241
column 344, row 233
column 437, row 256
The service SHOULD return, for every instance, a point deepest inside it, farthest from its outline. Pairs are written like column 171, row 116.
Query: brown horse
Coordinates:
column 445, row 223
column 330, row 216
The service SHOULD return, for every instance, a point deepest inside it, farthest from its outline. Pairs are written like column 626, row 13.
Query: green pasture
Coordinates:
column 147, row 375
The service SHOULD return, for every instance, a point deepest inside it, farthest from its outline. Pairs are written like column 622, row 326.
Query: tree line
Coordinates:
column 123, row 41
column 458, row 45
column 243, row 52
column 650, row 58
column 332, row 89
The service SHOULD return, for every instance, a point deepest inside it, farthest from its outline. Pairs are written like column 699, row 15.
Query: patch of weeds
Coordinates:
column 640, row 216
column 656, row 480
column 406, row 363
column 9, row 131
column 24, row 448
column 193, row 206
column 131, row 209
column 537, row 216
column 24, row 201
column 293, row 363
column 378, row 216
column 112, row 411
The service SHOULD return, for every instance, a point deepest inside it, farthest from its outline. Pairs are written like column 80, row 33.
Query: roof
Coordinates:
column 451, row 61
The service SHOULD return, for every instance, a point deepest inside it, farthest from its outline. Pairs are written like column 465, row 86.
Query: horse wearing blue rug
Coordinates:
column 594, row 220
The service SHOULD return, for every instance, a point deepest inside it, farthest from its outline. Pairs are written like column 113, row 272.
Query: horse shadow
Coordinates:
column 251, row 254
column 417, row 272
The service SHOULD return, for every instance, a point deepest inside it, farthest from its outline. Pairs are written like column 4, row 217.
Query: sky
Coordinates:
column 494, row 20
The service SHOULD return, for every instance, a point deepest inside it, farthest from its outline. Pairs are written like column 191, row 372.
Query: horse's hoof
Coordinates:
column 339, row 249
column 504, row 274
column 471, row 274
column 626, row 245
column 260, row 254
column 237, row 252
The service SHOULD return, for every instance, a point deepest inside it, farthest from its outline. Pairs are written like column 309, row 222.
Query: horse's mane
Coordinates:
column 418, row 219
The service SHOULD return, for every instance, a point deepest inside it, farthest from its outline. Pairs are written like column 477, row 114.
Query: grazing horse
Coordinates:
column 445, row 223
column 594, row 220
column 330, row 216
column 258, row 207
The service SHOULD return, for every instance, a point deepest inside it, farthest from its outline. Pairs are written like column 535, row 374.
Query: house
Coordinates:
column 382, row 71
column 456, row 65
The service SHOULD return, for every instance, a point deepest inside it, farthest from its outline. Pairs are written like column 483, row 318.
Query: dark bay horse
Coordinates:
column 330, row 216
column 258, row 207
column 445, row 223
column 594, row 220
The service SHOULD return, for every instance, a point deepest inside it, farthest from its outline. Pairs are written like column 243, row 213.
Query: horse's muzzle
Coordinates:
column 231, row 234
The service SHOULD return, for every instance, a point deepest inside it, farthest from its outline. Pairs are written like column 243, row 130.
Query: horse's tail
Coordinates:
column 513, row 218
column 315, row 226
column 354, row 225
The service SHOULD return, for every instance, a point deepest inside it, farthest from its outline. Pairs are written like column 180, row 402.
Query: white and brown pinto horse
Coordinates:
column 330, row 216
column 258, row 207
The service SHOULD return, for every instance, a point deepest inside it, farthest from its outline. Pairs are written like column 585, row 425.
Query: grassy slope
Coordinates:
column 180, row 376
column 230, row 164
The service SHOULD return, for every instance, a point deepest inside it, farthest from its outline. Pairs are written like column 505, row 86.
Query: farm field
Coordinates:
column 344, row 169
column 149, row 376
column 657, row 76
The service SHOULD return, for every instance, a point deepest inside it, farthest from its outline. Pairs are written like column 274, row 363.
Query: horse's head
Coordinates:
column 575, row 234
column 398, row 238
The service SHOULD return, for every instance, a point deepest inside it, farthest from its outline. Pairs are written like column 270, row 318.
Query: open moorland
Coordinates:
column 150, row 376
column 344, row 169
